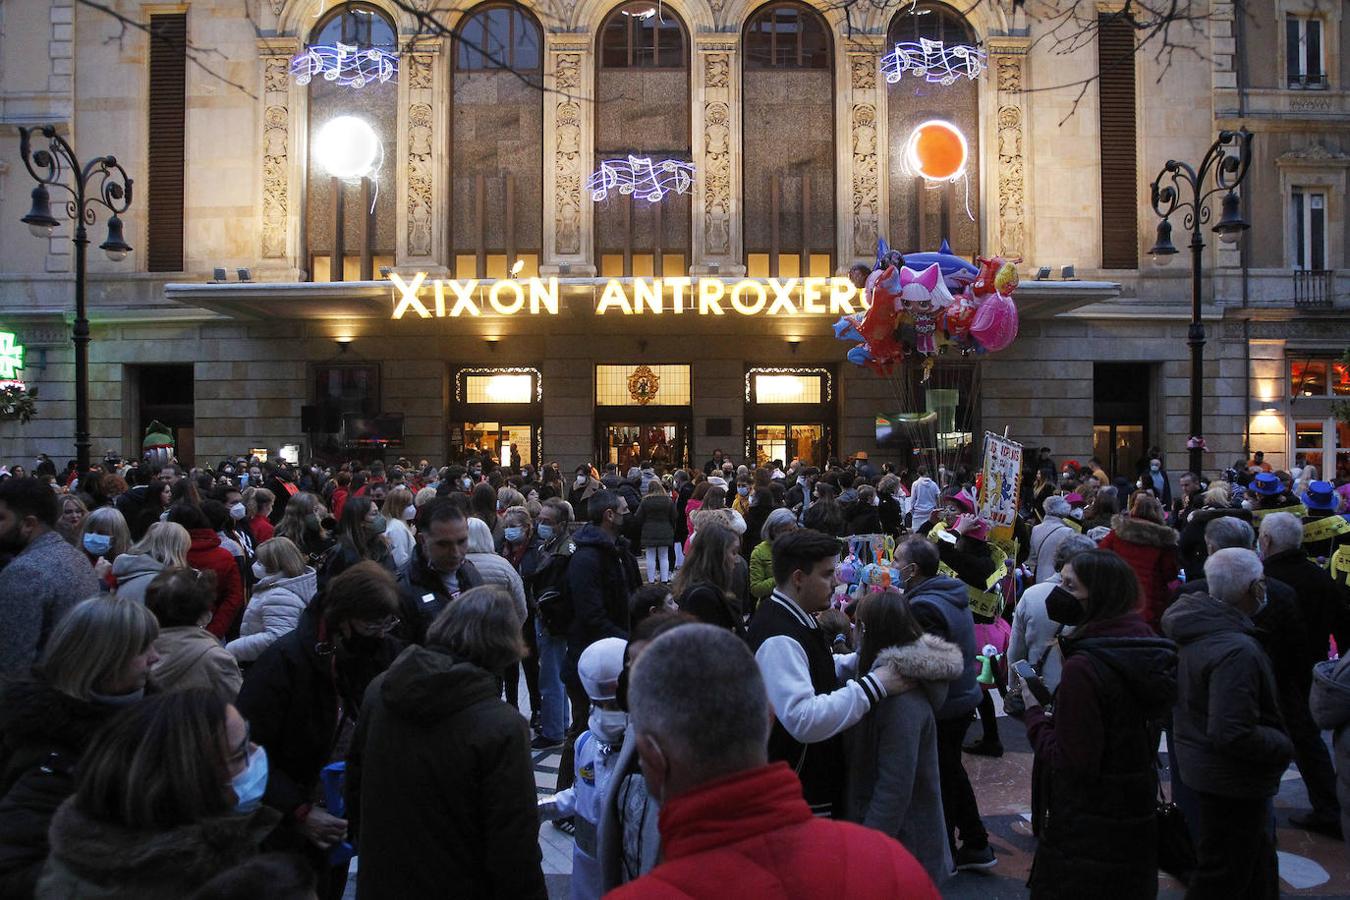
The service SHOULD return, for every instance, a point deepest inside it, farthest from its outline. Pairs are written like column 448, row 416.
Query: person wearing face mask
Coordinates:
column 1156, row 478
column 308, row 525
column 596, row 756
column 1098, row 753
column 95, row 665
column 580, row 490
column 361, row 531
column 436, row 718
column 398, row 511
column 167, row 799
column 302, row 697
column 865, row 516
column 1230, row 738
column 104, row 537
column 285, row 586
column 733, row 823
column 45, row 578
column 1034, row 632
column 189, row 657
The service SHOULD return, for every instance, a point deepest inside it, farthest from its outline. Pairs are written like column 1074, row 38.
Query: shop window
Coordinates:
column 496, row 147
column 350, row 212
column 1305, row 66
column 497, row 411
column 1311, row 377
column 924, row 213
column 1308, row 216
column 788, row 144
column 642, row 385
column 510, row 445
column 788, row 443
column 786, row 386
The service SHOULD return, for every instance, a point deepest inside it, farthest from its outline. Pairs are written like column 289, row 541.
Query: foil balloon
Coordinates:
column 846, row 329
column 956, row 272
column 997, row 276
column 957, row 318
column 924, row 296
column 995, row 324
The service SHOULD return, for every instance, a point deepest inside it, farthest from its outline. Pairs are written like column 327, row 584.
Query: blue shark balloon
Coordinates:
column 956, row 272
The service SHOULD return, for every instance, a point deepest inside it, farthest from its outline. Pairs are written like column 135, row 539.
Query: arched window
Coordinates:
column 786, row 36
column 498, row 37
column 497, row 146
column 642, row 112
column 641, row 35
column 924, row 213
column 788, row 143
column 349, row 212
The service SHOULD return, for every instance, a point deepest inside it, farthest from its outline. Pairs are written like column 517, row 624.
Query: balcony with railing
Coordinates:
column 1314, row 288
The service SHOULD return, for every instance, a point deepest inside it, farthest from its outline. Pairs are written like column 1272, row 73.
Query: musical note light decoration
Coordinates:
column 934, row 61
column 344, row 64
column 639, row 176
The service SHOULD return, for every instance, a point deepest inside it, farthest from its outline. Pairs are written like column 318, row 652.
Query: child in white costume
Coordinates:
column 597, row 753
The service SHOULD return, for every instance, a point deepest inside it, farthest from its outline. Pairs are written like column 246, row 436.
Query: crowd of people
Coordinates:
column 230, row 681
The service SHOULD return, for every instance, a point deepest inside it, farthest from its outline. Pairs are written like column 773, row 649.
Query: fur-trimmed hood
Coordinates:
column 1142, row 531
column 94, row 858
column 931, row 661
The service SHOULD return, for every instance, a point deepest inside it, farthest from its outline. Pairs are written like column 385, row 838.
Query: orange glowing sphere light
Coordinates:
column 937, row 151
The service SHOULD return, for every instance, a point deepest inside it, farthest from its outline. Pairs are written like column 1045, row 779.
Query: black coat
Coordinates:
column 891, row 513
column 43, row 734
column 601, row 578
column 1099, row 836
column 422, row 594
column 863, row 518
column 291, row 697
column 1323, row 604
column 1192, row 543
column 440, row 785
column 1230, row 739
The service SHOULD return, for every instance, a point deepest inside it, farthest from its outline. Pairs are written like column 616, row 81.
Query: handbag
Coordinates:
column 1176, row 850
column 1012, row 704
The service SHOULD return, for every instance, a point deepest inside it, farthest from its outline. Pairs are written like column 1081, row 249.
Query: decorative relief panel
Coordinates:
column 865, row 190
column 569, row 167
column 1012, row 226
column 717, row 155
column 275, row 156
column 421, row 127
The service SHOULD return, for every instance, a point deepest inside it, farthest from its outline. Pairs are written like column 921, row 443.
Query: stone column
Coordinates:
column 862, row 98
column 1010, row 234
column 718, row 238
column 569, row 154
column 423, row 213
column 282, row 161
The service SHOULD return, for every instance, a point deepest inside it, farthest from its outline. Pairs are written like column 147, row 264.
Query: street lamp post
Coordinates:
column 1226, row 162
column 102, row 180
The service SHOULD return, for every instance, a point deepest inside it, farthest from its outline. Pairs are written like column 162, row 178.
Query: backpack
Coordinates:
column 552, row 597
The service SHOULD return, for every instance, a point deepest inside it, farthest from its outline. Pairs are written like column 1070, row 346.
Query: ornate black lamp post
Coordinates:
column 103, row 181
column 1226, row 163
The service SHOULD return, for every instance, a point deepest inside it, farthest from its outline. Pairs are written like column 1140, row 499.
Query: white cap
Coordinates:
column 600, row 666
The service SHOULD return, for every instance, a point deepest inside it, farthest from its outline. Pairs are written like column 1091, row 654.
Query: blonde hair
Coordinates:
column 508, row 497
column 167, row 542
column 279, row 554
column 1217, row 495
column 94, row 644
column 256, row 498
column 395, row 502
column 424, row 496
column 109, row 521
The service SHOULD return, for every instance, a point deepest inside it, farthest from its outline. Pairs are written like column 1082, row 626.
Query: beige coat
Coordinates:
column 191, row 657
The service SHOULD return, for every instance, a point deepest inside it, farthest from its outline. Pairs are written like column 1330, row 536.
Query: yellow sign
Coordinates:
column 640, row 296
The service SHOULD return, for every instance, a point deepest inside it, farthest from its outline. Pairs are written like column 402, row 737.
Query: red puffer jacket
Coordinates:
column 1151, row 550
column 751, row 835
column 206, row 555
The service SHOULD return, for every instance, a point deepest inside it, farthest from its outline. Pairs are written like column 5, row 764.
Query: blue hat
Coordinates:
column 1321, row 495
column 1267, row 484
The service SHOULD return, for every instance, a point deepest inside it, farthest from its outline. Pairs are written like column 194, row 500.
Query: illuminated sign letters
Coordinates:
column 450, row 298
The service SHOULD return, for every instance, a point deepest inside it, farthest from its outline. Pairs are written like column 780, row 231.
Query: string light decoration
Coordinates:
column 937, row 151
column 639, row 176
column 345, row 65
column 934, row 61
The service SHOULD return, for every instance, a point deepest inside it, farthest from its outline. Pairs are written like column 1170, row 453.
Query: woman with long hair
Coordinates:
column 1151, row 548
column 167, row 799
column 1097, row 754
column 398, row 511
column 73, row 511
column 165, row 546
column 104, row 537
column 705, row 586
column 655, row 523
column 308, row 525
column 361, row 529
column 94, row 666
column 895, row 786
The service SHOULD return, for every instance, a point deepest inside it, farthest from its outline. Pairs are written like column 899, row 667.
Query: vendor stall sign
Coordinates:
column 1000, row 484
column 448, row 298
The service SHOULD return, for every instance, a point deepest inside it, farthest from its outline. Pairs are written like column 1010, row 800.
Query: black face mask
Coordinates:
column 1063, row 607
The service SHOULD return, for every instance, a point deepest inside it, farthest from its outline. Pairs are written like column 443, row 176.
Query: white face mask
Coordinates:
column 409, row 513
column 581, row 479
column 607, row 724
column 259, row 571
column 238, row 511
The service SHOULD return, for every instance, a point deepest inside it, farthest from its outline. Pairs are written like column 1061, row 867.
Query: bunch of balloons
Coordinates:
column 926, row 302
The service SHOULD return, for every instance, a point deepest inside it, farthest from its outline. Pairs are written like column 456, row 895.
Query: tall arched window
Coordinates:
column 924, row 213
column 643, row 215
column 497, row 144
column 788, row 143
column 349, row 212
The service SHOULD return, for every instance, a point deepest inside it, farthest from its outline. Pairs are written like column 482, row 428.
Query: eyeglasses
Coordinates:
column 377, row 628
column 241, row 752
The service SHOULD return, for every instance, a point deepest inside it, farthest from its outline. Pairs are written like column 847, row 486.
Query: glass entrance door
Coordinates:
column 789, row 442
column 498, row 439
column 628, row 444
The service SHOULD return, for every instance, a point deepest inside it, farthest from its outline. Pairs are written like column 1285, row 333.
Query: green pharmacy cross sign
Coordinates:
column 11, row 356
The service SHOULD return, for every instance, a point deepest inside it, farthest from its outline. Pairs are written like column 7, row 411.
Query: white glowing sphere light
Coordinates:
column 347, row 147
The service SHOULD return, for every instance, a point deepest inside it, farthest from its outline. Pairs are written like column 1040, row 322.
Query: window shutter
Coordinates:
column 168, row 102
column 1119, row 173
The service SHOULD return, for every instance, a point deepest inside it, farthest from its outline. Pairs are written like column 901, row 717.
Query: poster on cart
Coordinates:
column 1000, row 485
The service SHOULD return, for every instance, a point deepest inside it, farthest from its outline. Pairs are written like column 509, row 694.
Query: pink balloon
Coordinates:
column 995, row 323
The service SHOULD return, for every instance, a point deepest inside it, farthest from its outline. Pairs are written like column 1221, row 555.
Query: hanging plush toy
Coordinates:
column 924, row 296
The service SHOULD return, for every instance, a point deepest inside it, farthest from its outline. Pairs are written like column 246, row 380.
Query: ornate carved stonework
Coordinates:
column 419, row 71
column 1011, row 156
column 420, row 122
column 863, row 69
column 275, row 156
column 277, row 6
column 567, row 161
column 717, row 178
column 866, row 186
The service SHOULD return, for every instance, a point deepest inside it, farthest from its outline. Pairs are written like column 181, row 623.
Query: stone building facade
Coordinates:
column 489, row 134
